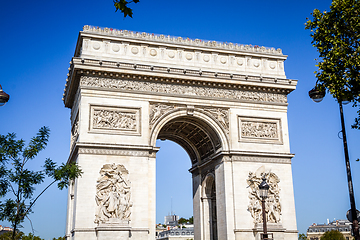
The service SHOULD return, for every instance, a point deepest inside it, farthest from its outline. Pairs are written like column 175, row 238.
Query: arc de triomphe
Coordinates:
column 224, row 103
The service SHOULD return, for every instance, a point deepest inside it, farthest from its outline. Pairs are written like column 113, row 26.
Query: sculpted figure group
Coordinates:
column 114, row 120
column 272, row 203
column 112, row 194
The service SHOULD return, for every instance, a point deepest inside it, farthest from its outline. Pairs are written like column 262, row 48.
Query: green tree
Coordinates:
column 59, row 238
column 122, row 5
column 17, row 182
column 8, row 236
column 302, row 236
column 19, row 235
column 31, row 237
column 182, row 220
column 191, row 220
column 336, row 34
column 332, row 235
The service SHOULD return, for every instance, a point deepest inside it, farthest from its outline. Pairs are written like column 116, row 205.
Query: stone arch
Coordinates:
column 200, row 135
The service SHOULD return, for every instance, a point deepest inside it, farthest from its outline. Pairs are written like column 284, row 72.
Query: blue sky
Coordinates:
column 38, row 40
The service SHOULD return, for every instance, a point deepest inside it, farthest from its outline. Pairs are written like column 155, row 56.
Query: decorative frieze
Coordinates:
column 115, row 119
column 259, row 130
column 167, row 88
column 272, row 203
column 113, row 195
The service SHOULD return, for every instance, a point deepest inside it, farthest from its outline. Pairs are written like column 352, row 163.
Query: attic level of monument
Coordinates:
column 167, row 39
column 111, row 53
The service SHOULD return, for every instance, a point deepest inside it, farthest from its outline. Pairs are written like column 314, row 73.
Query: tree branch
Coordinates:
column 27, row 210
column 32, row 228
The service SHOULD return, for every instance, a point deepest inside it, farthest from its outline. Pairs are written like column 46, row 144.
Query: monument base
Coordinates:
column 113, row 230
column 276, row 229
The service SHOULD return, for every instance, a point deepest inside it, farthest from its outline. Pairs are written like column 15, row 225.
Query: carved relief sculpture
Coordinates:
column 157, row 110
column 221, row 115
column 113, row 194
column 272, row 203
column 115, row 120
column 74, row 132
column 265, row 130
column 259, row 129
column 112, row 119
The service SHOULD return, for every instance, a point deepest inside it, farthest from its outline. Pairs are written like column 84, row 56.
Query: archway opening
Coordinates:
column 173, row 181
column 201, row 143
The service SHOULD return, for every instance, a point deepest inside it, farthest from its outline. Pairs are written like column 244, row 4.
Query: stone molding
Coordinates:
column 182, row 76
column 85, row 63
column 239, row 158
column 97, row 151
column 179, row 40
column 83, row 230
column 112, row 149
column 176, row 89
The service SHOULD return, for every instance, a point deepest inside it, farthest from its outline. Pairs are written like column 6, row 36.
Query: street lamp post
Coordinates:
column 4, row 97
column 263, row 192
column 317, row 97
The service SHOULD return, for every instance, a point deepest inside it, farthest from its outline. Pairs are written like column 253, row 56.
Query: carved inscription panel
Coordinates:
column 262, row 130
column 115, row 119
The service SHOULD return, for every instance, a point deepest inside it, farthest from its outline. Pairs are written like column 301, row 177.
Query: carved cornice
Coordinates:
column 253, row 95
column 189, row 77
column 180, row 40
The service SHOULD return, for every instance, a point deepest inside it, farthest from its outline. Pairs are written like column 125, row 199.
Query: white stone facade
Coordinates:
column 225, row 104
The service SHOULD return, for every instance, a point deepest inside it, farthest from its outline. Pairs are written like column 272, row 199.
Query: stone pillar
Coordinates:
column 207, row 221
column 197, row 206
